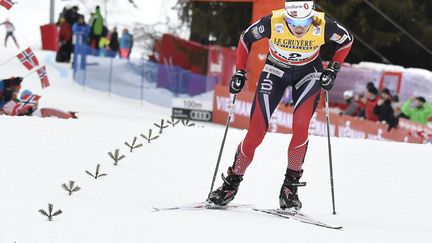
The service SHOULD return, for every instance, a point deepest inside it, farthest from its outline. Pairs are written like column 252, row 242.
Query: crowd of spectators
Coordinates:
column 385, row 107
column 73, row 31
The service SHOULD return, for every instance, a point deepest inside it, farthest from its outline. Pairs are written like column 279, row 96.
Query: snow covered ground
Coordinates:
column 382, row 189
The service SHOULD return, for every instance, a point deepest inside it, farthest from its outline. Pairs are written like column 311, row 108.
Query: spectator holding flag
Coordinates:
column 10, row 28
column 9, row 91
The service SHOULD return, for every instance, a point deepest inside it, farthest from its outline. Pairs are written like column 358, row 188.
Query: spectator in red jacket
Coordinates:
column 369, row 102
column 65, row 38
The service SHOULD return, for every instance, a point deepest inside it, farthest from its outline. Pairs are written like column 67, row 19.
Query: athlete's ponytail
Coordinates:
column 316, row 21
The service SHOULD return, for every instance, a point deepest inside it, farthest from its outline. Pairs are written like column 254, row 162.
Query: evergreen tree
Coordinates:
column 221, row 23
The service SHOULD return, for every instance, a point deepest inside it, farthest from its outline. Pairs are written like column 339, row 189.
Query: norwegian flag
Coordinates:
column 29, row 102
column 7, row 4
column 26, row 106
column 28, row 59
column 43, row 77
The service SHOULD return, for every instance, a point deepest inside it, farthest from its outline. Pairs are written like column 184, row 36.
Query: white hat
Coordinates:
column 348, row 94
column 299, row 10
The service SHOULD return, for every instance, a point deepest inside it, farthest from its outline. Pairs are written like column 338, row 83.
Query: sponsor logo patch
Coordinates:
column 279, row 28
column 261, row 29
column 310, row 77
column 255, row 33
column 335, row 37
column 273, row 70
column 317, row 30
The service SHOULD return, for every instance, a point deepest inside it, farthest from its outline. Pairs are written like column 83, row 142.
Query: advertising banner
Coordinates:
column 192, row 109
column 282, row 118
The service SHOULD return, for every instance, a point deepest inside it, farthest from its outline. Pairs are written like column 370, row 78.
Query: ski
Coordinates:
column 202, row 205
column 299, row 216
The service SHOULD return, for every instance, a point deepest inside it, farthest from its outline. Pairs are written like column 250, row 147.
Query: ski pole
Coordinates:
column 223, row 143
column 327, row 110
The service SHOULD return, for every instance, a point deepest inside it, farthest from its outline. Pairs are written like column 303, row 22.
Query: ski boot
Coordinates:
column 288, row 197
column 226, row 193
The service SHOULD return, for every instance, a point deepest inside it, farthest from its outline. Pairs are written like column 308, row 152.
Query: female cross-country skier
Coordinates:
column 295, row 35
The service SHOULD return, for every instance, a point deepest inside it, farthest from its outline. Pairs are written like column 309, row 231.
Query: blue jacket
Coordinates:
column 80, row 32
column 126, row 41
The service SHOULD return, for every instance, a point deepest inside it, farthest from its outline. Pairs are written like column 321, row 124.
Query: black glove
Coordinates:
column 238, row 81
column 328, row 75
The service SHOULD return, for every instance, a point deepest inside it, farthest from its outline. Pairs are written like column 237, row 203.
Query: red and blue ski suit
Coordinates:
column 294, row 62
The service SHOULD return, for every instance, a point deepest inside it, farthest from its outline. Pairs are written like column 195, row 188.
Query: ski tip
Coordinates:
column 156, row 209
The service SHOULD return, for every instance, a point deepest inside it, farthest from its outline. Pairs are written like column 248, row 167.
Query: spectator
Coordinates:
column 384, row 110
column 71, row 15
column 397, row 108
column 80, row 31
column 369, row 102
column 65, row 38
column 80, row 34
column 103, row 46
column 96, row 23
column 9, row 89
column 352, row 108
column 10, row 28
column 114, row 42
column 421, row 111
column 126, row 44
column 24, row 106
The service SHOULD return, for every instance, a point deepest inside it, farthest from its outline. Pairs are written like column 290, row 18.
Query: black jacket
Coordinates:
column 385, row 113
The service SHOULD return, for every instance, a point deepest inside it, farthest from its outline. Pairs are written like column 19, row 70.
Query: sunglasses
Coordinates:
column 299, row 23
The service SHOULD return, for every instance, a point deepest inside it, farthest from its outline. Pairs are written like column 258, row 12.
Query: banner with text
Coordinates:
column 282, row 118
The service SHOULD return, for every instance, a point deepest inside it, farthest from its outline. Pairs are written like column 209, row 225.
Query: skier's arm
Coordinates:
column 406, row 107
column 255, row 32
column 338, row 34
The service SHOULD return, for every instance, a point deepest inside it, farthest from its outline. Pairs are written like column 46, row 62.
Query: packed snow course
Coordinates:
column 382, row 189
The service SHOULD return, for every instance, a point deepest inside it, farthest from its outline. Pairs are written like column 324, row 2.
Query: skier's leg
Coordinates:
column 14, row 39
column 269, row 92
column 306, row 98
column 303, row 112
column 6, row 38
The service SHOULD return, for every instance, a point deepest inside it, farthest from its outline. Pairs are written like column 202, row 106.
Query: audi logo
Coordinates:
column 200, row 115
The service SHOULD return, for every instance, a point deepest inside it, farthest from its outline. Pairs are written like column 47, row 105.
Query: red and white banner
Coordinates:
column 281, row 121
column 28, row 59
